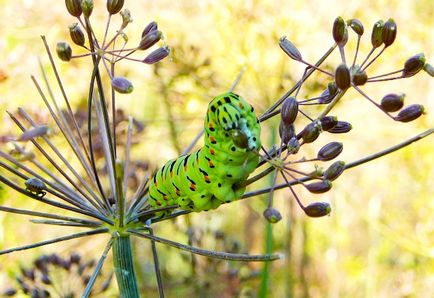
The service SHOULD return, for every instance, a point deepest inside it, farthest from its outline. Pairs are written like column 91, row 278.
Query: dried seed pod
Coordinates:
column 319, row 187
column 429, row 69
column 64, row 51
column 126, row 17
column 239, row 138
column 289, row 110
column 46, row 279
column 286, row 132
column 289, row 49
column 328, row 122
column 410, row 113
column 293, row 145
column 87, row 7
column 377, row 34
column 342, row 77
column 114, row 6
column 150, row 39
column 340, row 32
column 74, row 7
column 272, row 215
column 328, row 94
column 34, row 132
column 358, row 76
column 152, row 26
column 157, row 55
column 77, row 34
column 330, row 151
column 413, row 65
column 392, row 102
column 311, row 132
column 10, row 292
column 334, row 170
column 317, row 209
column 341, row 127
column 357, row 26
column 122, row 85
column 389, row 32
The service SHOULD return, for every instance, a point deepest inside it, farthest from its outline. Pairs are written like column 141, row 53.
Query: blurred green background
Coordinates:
column 378, row 240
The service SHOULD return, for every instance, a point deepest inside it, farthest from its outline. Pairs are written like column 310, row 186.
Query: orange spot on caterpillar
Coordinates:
column 241, row 105
column 212, row 140
column 210, row 164
column 193, row 187
column 158, row 203
column 211, row 151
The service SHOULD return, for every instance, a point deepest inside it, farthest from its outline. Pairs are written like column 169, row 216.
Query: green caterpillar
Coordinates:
column 205, row 179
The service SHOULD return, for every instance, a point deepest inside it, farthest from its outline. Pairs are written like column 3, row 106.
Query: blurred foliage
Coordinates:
column 378, row 241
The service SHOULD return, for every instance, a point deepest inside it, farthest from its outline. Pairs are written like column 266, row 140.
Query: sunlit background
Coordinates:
column 378, row 240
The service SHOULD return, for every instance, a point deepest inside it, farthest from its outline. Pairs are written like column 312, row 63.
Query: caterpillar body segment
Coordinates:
column 205, row 179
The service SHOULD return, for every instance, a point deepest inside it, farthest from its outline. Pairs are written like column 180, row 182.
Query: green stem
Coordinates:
column 123, row 267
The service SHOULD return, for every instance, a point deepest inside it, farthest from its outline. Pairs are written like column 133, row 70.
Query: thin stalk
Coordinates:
column 156, row 263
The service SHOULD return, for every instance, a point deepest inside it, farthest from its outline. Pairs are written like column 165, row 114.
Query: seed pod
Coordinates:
column 358, row 76
column 150, row 39
column 272, row 215
column 126, row 17
column 36, row 186
column 319, row 187
column 410, row 113
column 413, row 65
column 74, row 7
column 429, row 69
column 286, row 132
column 317, row 209
column 328, row 94
column 389, row 32
column 289, row 49
column 357, row 26
column 64, row 51
column 311, row 132
column 9, row 292
column 157, row 55
column 340, row 32
column 239, row 138
column 152, row 26
column 328, row 122
column 87, row 7
column 77, row 34
column 341, row 127
column 392, row 102
column 289, row 110
column 343, row 77
column 122, row 85
column 330, row 151
column 114, row 6
column 74, row 258
column 334, row 170
column 293, row 145
column 377, row 34
column 34, row 132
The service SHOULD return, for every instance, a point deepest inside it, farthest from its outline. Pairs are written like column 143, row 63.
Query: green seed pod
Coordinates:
column 74, row 7
column 122, row 85
column 413, row 65
column 239, row 138
column 150, row 39
column 272, row 215
column 330, row 151
column 358, row 76
column 328, row 122
column 389, row 32
column 319, row 187
column 126, row 18
column 357, row 26
column 317, row 209
column 339, row 31
column 334, row 170
column 286, row 132
column 410, row 113
column 341, row 127
column 311, row 132
column 429, row 69
column 289, row 49
column 289, row 110
column 114, row 6
column 342, row 77
column 377, row 34
column 87, row 7
column 64, row 51
column 152, row 26
column 392, row 102
column 77, row 34
column 157, row 55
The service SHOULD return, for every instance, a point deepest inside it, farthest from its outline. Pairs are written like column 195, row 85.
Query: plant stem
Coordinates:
column 123, row 267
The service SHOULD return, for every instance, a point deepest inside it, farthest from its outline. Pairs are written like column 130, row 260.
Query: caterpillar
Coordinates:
column 206, row 178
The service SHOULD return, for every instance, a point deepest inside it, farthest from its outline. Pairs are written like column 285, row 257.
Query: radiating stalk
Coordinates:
column 123, row 267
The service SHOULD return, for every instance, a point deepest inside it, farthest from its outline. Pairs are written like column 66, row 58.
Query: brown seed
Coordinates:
column 318, row 209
